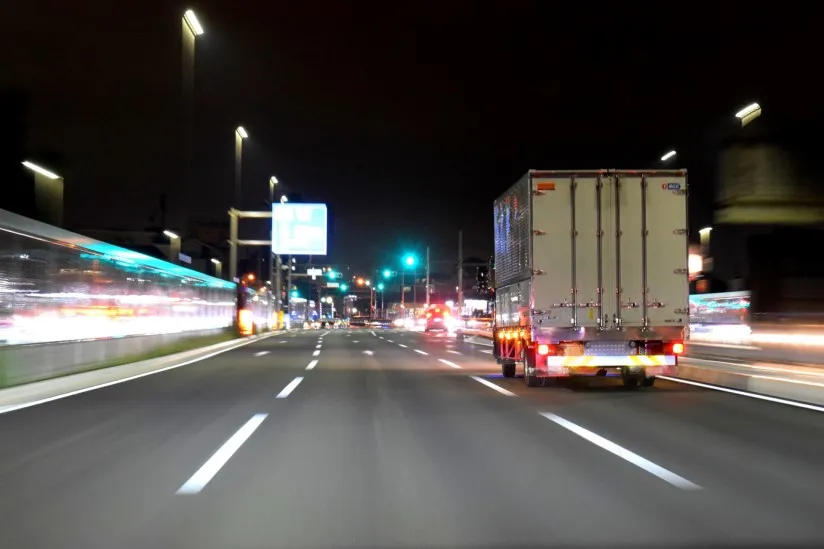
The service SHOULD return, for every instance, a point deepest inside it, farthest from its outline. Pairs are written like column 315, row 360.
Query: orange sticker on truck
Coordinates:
column 546, row 186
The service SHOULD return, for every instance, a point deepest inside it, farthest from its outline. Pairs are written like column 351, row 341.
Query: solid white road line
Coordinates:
column 449, row 363
column 289, row 388
column 14, row 407
column 201, row 478
column 746, row 394
column 261, row 353
column 401, row 345
column 420, row 352
column 645, row 464
column 316, row 353
column 312, row 365
column 493, row 386
column 453, row 352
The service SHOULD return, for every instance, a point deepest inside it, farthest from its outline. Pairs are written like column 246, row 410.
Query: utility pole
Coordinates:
column 427, row 277
column 460, row 272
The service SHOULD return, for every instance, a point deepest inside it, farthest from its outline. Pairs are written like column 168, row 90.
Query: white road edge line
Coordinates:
column 645, row 464
column 493, row 386
column 15, row 407
column 312, row 365
column 261, row 353
column 289, row 388
column 768, row 398
column 316, row 352
column 208, row 470
column 449, row 363
column 420, row 352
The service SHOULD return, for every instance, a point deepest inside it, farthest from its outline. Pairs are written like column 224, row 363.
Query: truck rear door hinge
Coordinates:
column 680, row 232
column 538, row 272
column 538, row 232
column 682, row 311
column 656, row 305
column 681, row 271
column 538, row 193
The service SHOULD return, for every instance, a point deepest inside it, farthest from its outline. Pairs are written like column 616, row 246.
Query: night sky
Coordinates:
column 407, row 118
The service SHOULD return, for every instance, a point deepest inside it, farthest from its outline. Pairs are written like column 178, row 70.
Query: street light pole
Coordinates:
column 427, row 277
column 240, row 135
column 174, row 246
column 190, row 30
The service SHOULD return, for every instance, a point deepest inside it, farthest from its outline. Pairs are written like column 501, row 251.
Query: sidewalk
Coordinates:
column 40, row 392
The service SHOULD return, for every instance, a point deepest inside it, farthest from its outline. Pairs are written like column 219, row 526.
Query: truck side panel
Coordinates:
column 512, row 304
column 513, row 226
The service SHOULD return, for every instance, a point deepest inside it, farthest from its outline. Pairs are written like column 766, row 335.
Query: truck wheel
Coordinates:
column 648, row 381
column 508, row 369
column 529, row 362
column 631, row 382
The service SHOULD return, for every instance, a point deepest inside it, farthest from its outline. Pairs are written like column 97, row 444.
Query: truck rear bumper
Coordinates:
column 648, row 365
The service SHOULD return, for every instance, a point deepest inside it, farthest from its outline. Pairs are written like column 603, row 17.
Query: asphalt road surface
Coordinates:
column 401, row 439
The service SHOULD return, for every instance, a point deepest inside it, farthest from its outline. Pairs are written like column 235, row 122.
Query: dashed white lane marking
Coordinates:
column 746, row 394
column 208, row 470
column 401, row 345
column 492, row 386
column 380, row 337
column 453, row 352
column 645, row 464
column 261, row 353
column 485, row 351
column 316, row 353
column 318, row 346
column 390, row 341
column 282, row 341
column 289, row 388
column 373, row 333
column 369, row 353
column 355, row 341
column 420, row 352
column 448, row 363
column 312, row 365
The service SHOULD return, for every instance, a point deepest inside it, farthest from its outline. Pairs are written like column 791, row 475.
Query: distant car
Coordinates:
column 436, row 320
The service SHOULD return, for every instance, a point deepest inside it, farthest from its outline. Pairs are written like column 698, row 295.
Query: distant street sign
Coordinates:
column 333, row 284
column 314, row 272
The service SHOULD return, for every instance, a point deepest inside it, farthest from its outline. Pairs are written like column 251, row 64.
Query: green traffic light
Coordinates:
column 344, row 287
column 332, row 275
column 387, row 273
column 409, row 260
column 380, row 286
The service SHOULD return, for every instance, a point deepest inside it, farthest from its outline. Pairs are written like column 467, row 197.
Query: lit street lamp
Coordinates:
column 48, row 194
column 218, row 267
column 174, row 246
column 748, row 113
column 667, row 156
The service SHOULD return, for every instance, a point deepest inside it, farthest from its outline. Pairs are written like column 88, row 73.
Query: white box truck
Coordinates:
column 591, row 275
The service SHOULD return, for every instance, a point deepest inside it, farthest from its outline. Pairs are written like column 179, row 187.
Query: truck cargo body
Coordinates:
column 591, row 274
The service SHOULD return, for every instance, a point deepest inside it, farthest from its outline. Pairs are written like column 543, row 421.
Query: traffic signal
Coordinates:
column 332, row 275
column 409, row 260
column 380, row 286
column 387, row 273
column 344, row 287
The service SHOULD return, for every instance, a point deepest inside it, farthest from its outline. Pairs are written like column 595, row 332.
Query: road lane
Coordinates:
column 381, row 446
column 95, row 468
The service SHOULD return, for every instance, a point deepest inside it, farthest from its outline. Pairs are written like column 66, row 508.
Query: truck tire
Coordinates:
column 529, row 362
column 631, row 382
column 508, row 369
column 648, row 381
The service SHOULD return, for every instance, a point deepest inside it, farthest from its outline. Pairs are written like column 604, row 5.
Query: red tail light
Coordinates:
column 543, row 350
column 677, row 348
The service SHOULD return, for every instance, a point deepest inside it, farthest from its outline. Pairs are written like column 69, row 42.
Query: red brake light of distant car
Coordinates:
column 677, row 348
column 543, row 350
column 428, row 315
